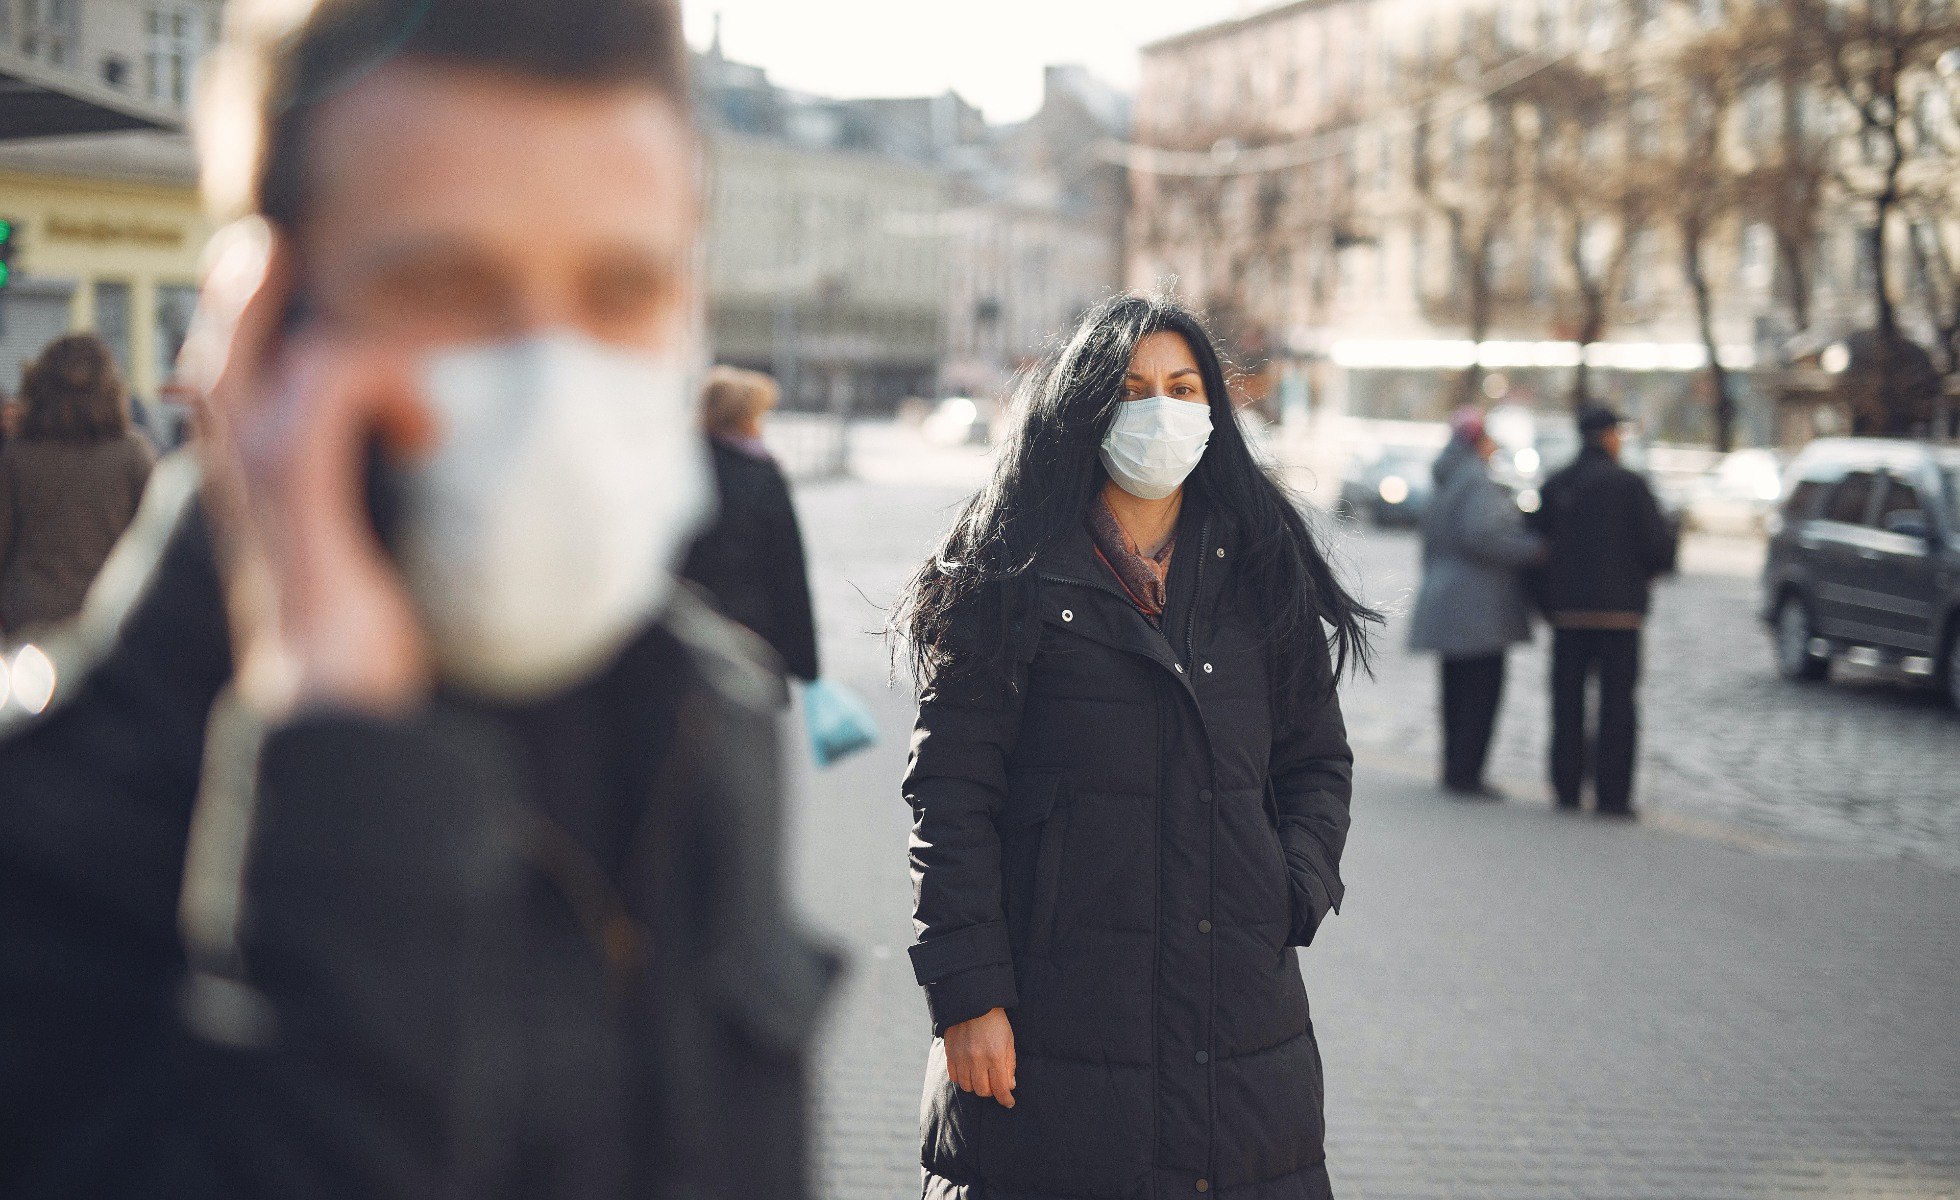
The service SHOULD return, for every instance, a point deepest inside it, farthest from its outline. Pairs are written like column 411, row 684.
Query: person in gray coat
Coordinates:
column 1472, row 604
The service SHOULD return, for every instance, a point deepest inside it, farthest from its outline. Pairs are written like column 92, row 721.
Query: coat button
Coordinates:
column 1204, row 1185
column 1068, row 614
column 1221, row 552
column 1207, row 668
column 1204, row 797
column 1204, row 927
column 1203, row 1058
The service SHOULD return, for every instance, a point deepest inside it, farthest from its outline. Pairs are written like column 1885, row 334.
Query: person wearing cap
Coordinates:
column 1472, row 605
column 1606, row 541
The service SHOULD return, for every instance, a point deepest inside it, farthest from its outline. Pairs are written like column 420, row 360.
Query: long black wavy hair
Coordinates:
column 1049, row 472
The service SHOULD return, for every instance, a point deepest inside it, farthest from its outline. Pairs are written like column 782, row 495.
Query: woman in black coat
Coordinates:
column 1130, row 785
column 751, row 559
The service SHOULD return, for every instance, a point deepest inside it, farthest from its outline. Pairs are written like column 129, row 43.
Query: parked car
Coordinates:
column 1865, row 556
column 1739, row 496
column 1390, row 487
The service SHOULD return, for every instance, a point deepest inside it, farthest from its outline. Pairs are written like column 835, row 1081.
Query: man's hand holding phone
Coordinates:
column 289, row 412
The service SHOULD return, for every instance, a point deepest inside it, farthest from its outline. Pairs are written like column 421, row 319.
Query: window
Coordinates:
column 1900, row 497
column 112, row 307
column 176, row 304
column 1803, row 500
column 1852, row 499
column 48, row 30
column 1644, row 113
column 1754, row 260
column 176, row 36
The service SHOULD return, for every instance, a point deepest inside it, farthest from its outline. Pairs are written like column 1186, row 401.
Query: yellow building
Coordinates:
column 115, row 255
column 98, row 177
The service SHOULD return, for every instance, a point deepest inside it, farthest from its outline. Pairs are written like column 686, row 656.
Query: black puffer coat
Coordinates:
column 1118, row 838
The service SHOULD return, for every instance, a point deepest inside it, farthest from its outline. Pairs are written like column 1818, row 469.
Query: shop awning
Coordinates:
column 39, row 100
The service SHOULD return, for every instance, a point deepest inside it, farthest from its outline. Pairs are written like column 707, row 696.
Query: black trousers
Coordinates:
column 1577, row 656
column 1472, row 689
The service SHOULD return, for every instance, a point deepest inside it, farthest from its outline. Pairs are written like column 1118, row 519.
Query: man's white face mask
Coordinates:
column 1154, row 444
column 545, row 530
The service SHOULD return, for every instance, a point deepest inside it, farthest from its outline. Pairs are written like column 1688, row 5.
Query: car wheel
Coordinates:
column 1794, row 657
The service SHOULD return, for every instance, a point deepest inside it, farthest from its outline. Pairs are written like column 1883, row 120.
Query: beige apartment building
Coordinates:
column 1305, row 173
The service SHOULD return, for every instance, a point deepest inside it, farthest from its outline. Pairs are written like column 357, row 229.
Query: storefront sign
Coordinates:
column 100, row 231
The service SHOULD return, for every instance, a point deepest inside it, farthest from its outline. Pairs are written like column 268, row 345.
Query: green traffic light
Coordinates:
column 6, row 231
column 6, row 273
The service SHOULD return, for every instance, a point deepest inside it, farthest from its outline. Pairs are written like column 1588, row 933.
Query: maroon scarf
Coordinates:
column 1143, row 578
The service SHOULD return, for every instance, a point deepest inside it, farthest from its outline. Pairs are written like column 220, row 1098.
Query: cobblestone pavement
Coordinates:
column 1870, row 763
column 1515, row 1004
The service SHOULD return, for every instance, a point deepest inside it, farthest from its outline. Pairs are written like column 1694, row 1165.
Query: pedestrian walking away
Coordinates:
column 1130, row 784
column 1606, row 541
column 70, row 481
column 751, row 558
column 1472, row 603
column 400, row 827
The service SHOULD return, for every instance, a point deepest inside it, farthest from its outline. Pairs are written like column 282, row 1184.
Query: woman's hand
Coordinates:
column 980, row 1056
column 319, row 615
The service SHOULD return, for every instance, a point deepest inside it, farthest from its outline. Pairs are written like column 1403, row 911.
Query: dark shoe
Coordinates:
column 1565, row 806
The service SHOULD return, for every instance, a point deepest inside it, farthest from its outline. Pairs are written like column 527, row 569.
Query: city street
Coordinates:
column 1748, row 994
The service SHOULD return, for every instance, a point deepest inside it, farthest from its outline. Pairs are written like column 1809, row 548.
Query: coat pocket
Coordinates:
column 1032, row 828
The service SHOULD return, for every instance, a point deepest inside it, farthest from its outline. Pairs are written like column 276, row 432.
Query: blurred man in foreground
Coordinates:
column 1606, row 540
column 481, row 895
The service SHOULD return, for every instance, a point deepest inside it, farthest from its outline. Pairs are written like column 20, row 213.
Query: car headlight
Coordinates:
column 1394, row 489
column 1525, row 460
column 1528, row 500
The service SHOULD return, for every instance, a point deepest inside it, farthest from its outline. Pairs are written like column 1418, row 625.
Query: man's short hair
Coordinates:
column 282, row 59
column 733, row 397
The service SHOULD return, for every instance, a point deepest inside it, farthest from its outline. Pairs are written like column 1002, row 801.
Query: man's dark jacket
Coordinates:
column 1605, row 538
column 1120, row 835
column 537, row 953
column 751, row 559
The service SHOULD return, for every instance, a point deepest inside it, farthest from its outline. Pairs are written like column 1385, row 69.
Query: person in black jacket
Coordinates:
column 1130, row 785
column 1606, row 541
column 397, row 828
column 751, row 559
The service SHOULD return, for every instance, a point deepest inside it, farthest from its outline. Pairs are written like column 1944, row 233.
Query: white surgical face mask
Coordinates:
column 544, row 532
column 1153, row 445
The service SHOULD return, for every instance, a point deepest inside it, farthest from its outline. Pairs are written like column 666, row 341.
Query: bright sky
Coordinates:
column 989, row 51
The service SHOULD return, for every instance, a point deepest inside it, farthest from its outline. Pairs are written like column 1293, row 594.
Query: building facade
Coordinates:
column 1037, row 237
column 98, row 178
column 870, row 251
column 826, row 265
column 1406, row 203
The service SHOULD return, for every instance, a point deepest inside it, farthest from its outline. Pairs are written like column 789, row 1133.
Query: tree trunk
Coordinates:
column 1697, row 272
column 1593, row 297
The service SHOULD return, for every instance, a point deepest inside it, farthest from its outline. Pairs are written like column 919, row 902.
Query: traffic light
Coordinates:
column 8, row 228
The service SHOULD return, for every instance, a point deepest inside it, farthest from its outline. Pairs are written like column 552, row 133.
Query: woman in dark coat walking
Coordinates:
column 1130, row 786
column 69, row 483
column 751, row 559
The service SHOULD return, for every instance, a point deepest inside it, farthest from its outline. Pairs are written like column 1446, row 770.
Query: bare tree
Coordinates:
column 1467, row 170
column 1875, row 57
column 1702, row 201
column 1598, row 145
